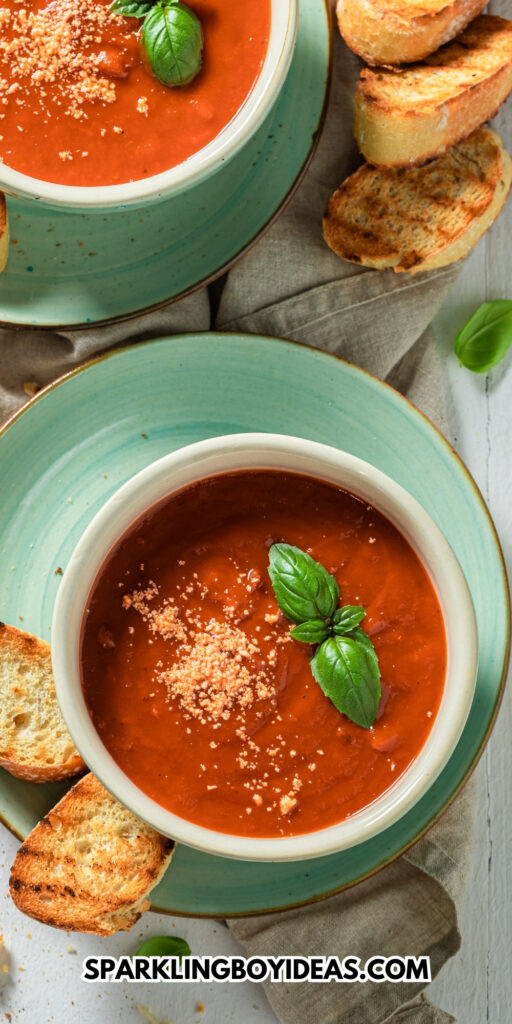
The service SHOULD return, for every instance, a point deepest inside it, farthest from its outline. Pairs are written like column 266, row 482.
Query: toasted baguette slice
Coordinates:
column 389, row 32
column 423, row 217
column 34, row 741
column 4, row 233
column 89, row 864
column 410, row 116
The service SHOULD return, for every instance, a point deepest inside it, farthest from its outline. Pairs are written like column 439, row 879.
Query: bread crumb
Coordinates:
column 217, row 674
column 272, row 618
column 287, row 803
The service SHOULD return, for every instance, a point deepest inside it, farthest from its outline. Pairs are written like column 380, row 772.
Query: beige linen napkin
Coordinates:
column 291, row 285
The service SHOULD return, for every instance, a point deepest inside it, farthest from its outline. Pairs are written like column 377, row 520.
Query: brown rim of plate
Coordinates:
column 210, row 278
column 479, row 497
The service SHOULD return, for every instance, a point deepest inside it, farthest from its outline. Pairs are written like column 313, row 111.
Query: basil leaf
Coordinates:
column 347, row 670
column 311, row 632
column 487, row 336
column 173, row 41
column 304, row 590
column 132, row 8
column 347, row 618
column 164, row 945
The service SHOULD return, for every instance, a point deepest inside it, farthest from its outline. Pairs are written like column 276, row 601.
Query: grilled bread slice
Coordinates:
column 389, row 32
column 410, row 116
column 34, row 742
column 89, row 864
column 423, row 217
column 4, row 233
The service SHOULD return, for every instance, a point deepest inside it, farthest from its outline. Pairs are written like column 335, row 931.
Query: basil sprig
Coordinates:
column 172, row 37
column 487, row 336
column 347, row 618
column 303, row 588
column 132, row 8
column 164, row 945
column 344, row 664
column 173, row 40
column 347, row 669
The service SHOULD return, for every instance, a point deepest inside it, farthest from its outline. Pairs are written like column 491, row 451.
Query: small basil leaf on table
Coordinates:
column 164, row 945
column 132, row 8
column 173, row 41
column 304, row 590
column 347, row 670
column 314, row 631
column 347, row 618
column 487, row 336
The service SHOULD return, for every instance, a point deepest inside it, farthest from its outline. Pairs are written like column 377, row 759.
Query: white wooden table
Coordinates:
column 476, row 986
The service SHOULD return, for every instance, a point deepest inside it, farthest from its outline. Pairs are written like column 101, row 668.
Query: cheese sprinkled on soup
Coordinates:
column 78, row 105
column 196, row 686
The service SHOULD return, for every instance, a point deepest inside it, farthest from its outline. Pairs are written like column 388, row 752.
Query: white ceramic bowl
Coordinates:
column 269, row 451
column 283, row 30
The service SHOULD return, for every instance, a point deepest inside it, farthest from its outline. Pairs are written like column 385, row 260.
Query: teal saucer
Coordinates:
column 69, row 448
column 71, row 270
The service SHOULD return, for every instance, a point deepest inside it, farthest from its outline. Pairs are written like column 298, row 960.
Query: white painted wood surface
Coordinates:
column 476, row 986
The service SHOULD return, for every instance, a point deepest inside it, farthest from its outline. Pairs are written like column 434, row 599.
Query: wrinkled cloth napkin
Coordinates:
column 291, row 285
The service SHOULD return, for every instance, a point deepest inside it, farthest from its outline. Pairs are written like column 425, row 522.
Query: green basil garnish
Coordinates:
column 344, row 664
column 347, row 670
column 347, row 618
column 164, row 945
column 304, row 589
column 487, row 336
column 311, row 632
column 173, row 42
column 132, row 8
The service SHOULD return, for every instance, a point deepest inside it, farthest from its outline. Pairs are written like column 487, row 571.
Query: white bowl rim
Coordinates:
column 238, row 131
column 259, row 450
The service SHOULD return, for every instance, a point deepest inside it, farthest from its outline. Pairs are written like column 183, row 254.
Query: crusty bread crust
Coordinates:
column 89, row 865
column 420, row 218
column 390, row 32
column 34, row 742
column 4, row 233
column 408, row 117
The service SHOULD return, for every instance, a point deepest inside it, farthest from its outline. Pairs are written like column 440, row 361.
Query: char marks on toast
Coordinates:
column 422, row 217
column 89, row 864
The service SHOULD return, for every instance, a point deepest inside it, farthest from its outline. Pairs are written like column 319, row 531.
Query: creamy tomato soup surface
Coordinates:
column 79, row 106
column 196, row 687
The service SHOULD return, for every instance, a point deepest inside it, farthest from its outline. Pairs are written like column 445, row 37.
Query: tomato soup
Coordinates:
column 78, row 105
column 196, row 687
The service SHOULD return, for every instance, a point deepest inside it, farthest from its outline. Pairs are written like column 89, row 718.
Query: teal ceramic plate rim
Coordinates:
column 397, row 397
column 228, row 264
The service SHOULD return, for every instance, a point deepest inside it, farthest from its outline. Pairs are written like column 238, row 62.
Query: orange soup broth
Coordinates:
column 280, row 760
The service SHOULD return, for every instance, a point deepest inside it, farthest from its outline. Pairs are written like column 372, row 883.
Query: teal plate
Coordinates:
column 71, row 270
column 69, row 448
